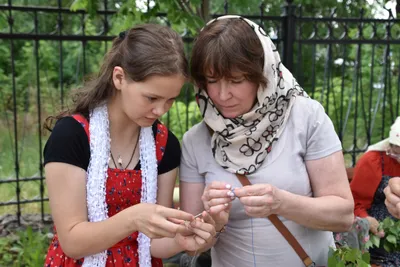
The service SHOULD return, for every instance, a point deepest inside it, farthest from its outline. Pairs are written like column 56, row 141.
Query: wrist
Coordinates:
column 284, row 200
column 130, row 216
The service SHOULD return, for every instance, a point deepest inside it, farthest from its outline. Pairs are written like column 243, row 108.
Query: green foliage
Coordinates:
column 348, row 257
column 391, row 241
column 24, row 248
column 182, row 117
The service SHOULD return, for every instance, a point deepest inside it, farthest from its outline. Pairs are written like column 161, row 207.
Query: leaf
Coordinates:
column 78, row 4
column 366, row 257
column 375, row 240
column 332, row 262
column 392, row 239
column 387, row 246
column 351, row 255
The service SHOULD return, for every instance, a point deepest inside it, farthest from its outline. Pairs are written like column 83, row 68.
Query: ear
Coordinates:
column 118, row 77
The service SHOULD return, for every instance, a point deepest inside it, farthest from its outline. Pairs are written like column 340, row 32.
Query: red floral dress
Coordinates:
column 123, row 190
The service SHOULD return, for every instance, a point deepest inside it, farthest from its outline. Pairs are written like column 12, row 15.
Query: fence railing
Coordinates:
column 350, row 65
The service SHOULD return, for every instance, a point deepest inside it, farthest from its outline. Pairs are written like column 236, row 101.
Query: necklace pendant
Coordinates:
column 120, row 161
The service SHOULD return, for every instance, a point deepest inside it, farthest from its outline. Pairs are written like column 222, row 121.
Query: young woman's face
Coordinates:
column 232, row 97
column 144, row 102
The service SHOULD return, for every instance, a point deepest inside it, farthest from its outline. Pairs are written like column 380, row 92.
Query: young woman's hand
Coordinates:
column 199, row 235
column 217, row 198
column 157, row 221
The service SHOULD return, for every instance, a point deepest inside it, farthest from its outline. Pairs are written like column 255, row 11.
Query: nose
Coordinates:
column 224, row 91
column 159, row 110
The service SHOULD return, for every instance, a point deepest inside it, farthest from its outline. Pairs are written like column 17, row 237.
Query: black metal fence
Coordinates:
column 350, row 65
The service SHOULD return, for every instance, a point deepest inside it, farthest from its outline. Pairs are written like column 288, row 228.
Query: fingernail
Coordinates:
column 232, row 198
column 228, row 186
column 229, row 193
column 226, row 204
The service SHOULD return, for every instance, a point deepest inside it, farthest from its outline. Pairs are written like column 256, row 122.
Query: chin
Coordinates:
column 229, row 115
column 146, row 122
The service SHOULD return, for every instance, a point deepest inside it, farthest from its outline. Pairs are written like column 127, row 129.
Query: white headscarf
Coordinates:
column 394, row 138
column 240, row 145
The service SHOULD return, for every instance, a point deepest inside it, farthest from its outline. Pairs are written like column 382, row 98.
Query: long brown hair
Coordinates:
column 225, row 46
column 142, row 51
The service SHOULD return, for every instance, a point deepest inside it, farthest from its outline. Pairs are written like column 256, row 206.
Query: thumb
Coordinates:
column 373, row 229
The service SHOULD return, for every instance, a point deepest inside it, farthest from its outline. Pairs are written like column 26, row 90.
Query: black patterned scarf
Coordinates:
column 240, row 145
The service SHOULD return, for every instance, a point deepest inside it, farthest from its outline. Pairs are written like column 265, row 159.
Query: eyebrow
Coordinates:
column 231, row 76
column 158, row 96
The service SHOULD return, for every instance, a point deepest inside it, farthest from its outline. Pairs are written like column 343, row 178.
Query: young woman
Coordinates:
column 110, row 161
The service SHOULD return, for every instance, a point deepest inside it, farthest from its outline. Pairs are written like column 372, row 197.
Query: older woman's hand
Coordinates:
column 217, row 198
column 259, row 200
column 392, row 193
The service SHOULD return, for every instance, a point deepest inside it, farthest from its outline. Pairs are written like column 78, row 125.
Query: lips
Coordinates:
column 228, row 107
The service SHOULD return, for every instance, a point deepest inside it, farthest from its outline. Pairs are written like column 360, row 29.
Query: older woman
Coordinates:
column 260, row 125
column 372, row 174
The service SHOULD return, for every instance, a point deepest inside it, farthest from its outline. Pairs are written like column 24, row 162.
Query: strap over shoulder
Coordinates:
column 161, row 141
column 84, row 122
column 283, row 230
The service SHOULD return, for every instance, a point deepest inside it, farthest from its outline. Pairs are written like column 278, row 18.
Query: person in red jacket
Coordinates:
column 371, row 176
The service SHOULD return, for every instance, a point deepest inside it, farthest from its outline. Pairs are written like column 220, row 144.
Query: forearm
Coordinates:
column 88, row 238
column 164, row 247
column 328, row 213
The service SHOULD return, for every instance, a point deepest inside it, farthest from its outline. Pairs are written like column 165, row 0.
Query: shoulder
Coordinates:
column 163, row 134
column 372, row 158
column 198, row 133
column 68, row 127
column 306, row 106
column 306, row 114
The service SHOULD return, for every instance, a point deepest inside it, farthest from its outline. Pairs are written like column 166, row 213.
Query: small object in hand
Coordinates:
column 233, row 195
column 200, row 215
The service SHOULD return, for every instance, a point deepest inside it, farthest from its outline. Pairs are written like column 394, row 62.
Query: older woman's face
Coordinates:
column 394, row 152
column 232, row 97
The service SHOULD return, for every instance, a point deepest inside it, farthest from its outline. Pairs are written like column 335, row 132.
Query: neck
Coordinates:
column 122, row 128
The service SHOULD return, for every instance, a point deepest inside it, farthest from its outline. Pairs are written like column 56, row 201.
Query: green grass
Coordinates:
column 24, row 248
column 29, row 167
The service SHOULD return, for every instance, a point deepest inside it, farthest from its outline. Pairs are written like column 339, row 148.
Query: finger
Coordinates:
column 208, row 218
column 200, row 241
column 253, row 190
column 167, row 228
column 154, row 233
column 216, row 193
column 257, row 211
column 174, row 213
column 391, row 208
column 177, row 221
column 217, row 209
column 394, row 185
column 374, row 230
column 219, row 201
column 201, row 225
column 204, row 231
column 256, row 201
column 392, row 198
column 218, row 185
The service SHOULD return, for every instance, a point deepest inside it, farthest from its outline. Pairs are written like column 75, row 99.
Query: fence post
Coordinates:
column 288, row 33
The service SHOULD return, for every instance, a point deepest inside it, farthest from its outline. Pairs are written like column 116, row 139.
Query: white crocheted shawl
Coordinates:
column 97, row 175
